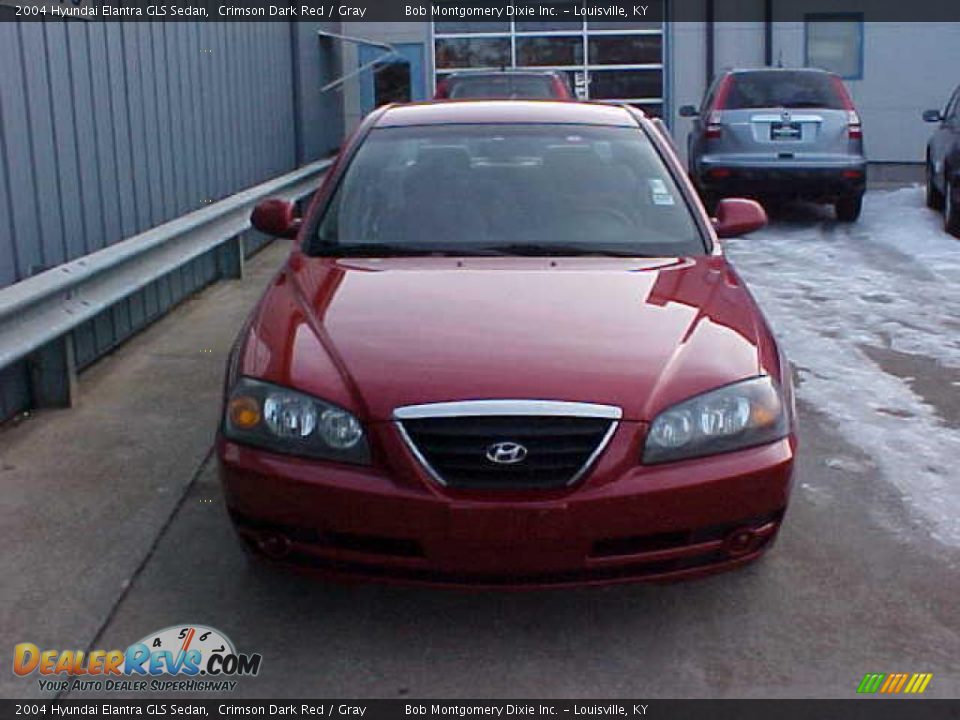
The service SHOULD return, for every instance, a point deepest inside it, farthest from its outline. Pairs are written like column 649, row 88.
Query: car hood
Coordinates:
column 375, row 335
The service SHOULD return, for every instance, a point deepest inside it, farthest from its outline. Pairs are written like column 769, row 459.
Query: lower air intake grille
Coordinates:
column 507, row 452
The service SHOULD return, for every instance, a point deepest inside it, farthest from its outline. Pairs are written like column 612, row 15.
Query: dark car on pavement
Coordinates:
column 507, row 350
column 504, row 85
column 778, row 134
column 943, row 163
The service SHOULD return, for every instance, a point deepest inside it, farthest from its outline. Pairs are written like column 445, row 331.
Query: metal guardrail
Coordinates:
column 36, row 314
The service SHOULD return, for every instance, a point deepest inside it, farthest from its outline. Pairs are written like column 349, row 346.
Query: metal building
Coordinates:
column 110, row 129
column 894, row 70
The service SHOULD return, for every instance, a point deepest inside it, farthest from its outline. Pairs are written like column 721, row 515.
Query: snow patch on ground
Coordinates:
column 840, row 296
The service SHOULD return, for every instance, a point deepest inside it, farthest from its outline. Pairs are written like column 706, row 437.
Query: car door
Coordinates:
column 952, row 136
column 945, row 142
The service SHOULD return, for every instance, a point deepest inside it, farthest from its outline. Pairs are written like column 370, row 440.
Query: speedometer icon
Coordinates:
column 181, row 639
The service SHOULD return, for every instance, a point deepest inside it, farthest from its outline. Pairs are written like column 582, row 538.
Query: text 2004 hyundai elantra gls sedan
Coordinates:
column 507, row 350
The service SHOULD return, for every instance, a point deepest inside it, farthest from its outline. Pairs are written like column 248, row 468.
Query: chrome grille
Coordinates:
column 457, row 442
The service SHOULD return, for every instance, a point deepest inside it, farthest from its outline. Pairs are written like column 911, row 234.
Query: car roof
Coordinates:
column 747, row 71
column 506, row 71
column 465, row 112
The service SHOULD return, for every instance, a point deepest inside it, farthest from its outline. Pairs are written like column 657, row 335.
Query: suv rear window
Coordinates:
column 529, row 87
column 776, row 89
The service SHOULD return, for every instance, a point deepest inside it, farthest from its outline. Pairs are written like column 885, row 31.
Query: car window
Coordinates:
column 473, row 187
column 707, row 103
column 779, row 88
column 504, row 86
column 952, row 113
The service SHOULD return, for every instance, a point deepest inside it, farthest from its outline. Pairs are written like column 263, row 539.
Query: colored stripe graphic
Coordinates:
column 871, row 682
column 923, row 679
column 894, row 683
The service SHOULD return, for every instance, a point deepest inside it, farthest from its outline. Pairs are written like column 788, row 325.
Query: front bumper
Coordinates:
column 779, row 180
column 624, row 522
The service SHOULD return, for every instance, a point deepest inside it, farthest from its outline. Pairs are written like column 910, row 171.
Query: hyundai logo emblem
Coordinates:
column 506, row 453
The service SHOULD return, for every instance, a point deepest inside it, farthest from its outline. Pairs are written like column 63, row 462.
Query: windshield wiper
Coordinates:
column 394, row 250
column 560, row 250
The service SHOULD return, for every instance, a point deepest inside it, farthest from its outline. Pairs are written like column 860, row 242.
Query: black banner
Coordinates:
column 481, row 11
column 865, row 709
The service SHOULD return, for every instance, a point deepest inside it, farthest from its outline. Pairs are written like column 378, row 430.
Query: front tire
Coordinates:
column 951, row 210
column 935, row 199
column 848, row 208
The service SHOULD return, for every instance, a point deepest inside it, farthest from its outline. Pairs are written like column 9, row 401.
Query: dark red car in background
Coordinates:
column 504, row 85
column 507, row 350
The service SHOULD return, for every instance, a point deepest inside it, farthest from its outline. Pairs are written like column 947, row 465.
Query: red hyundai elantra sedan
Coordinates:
column 507, row 350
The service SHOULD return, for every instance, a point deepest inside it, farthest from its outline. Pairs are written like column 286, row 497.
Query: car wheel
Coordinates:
column 934, row 196
column 951, row 210
column 848, row 208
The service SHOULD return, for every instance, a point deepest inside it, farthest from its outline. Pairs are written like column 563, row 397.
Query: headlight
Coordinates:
column 287, row 421
column 737, row 416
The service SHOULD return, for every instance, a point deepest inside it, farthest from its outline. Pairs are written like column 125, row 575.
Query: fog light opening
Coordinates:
column 274, row 545
column 741, row 541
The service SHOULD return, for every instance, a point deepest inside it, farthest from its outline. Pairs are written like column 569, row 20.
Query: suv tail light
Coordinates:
column 561, row 90
column 714, row 128
column 443, row 90
column 854, row 128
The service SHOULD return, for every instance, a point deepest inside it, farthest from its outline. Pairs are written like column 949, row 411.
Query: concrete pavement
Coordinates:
column 87, row 491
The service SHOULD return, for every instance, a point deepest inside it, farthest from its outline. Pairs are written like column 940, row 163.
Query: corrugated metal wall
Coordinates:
column 108, row 129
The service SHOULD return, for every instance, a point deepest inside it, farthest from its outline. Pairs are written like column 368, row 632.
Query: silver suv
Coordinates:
column 778, row 134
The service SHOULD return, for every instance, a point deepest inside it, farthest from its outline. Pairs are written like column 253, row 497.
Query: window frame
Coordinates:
column 856, row 17
column 584, row 30
column 951, row 114
column 329, row 190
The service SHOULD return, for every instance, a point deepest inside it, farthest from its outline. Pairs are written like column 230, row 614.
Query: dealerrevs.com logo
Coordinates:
column 198, row 657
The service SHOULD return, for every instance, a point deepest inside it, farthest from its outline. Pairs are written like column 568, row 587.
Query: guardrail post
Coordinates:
column 39, row 314
column 230, row 258
column 53, row 374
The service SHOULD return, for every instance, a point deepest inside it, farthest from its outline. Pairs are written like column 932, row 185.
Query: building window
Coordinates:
column 626, row 49
column 609, row 61
column 473, row 52
column 471, row 27
column 544, row 51
column 834, row 42
column 626, row 84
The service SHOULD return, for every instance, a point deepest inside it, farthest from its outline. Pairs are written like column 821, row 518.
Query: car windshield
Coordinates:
column 507, row 189
column 778, row 88
column 529, row 87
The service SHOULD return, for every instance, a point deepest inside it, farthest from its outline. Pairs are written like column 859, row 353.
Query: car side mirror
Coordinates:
column 738, row 216
column 689, row 111
column 276, row 217
column 932, row 116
